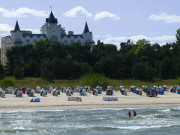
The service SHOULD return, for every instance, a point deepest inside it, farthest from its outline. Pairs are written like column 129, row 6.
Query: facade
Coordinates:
column 51, row 30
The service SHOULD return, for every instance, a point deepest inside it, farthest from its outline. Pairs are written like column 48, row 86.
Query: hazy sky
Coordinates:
column 111, row 21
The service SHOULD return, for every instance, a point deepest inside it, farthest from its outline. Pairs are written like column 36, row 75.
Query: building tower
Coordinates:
column 87, row 35
column 52, row 29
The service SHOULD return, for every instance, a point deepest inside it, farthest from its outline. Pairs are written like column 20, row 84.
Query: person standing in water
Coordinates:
column 129, row 113
column 134, row 112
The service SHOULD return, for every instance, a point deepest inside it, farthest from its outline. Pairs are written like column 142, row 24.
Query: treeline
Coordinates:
column 141, row 60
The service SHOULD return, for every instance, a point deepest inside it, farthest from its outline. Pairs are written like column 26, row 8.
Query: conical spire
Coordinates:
column 86, row 29
column 51, row 18
column 16, row 27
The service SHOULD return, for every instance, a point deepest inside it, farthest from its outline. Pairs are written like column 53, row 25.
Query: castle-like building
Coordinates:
column 50, row 30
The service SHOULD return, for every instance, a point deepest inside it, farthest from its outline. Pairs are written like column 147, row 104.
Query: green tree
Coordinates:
column 167, row 71
column 2, row 73
column 178, row 36
column 18, row 72
column 32, row 68
column 46, row 74
column 142, row 71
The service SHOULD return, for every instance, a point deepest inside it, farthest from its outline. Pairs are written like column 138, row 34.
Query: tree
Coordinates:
column 2, row 73
column 178, row 36
column 143, row 42
column 46, row 74
column 40, row 49
column 142, row 71
column 32, row 68
column 141, row 60
column 167, row 71
column 18, row 72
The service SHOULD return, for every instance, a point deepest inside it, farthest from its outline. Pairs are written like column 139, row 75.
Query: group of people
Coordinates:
column 134, row 113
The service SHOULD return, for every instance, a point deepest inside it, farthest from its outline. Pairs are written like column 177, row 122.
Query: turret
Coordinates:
column 86, row 28
column 16, row 27
column 51, row 18
column 52, row 29
column 16, row 35
column 87, row 35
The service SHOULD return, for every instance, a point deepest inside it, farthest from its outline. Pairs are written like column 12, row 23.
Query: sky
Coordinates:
column 111, row 21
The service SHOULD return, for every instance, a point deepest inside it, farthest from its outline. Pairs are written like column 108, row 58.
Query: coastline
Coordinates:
column 10, row 102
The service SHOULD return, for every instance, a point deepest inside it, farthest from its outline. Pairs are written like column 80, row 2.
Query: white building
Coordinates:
column 51, row 30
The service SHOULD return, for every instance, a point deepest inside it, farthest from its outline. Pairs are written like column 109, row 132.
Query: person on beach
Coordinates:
column 134, row 112
column 129, row 113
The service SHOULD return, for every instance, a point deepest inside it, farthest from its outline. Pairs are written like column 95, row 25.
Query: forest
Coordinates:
column 141, row 60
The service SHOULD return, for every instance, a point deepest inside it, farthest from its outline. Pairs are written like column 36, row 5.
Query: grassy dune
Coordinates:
column 29, row 82
column 33, row 82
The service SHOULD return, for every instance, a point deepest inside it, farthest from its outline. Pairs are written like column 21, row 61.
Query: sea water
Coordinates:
column 97, row 121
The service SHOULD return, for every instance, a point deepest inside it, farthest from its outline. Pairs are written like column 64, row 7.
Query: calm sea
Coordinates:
column 100, row 121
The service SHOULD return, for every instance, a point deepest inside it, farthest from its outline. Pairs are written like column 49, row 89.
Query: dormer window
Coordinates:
column 54, row 39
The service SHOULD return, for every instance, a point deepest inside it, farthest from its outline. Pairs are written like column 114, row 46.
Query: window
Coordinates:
column 27, row 40
column 65, row 42
column 72, row 41
column 53, row 39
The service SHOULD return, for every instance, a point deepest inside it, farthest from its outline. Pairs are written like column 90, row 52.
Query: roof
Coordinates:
column 86, row 29
column 69, row 36
column 51, row 18
column 16, row 27
column 34, row 35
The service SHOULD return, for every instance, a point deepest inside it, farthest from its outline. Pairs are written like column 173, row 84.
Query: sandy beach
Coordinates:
column 11, row 102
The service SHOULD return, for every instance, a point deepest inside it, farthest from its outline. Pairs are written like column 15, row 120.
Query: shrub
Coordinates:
column 95, row 79
column 6, row 82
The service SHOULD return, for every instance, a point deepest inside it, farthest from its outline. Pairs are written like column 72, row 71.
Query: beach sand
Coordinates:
column 11, row 102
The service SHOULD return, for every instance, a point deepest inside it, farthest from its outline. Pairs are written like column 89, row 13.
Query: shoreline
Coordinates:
column 51, row 108
column 10, row 102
